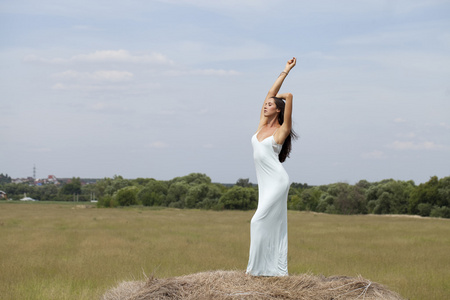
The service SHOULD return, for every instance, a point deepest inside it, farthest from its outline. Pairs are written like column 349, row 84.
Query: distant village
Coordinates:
column 31, row 181
column 51, row 179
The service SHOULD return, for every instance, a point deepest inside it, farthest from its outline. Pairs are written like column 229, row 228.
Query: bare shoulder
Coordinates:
column 281, row 134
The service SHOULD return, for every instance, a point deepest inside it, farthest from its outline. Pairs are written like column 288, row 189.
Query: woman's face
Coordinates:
column 270, row 108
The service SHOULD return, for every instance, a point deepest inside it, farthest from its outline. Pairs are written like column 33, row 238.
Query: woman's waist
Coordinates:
column 271, row 167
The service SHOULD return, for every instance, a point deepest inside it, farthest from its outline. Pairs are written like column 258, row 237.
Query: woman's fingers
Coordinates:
column 291, row 62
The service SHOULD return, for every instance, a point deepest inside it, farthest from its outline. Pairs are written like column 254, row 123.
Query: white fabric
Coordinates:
column 268, row 228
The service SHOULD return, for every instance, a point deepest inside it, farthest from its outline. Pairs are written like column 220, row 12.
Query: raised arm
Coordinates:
column 276, row 88
column 286, row 127
column 277, row 85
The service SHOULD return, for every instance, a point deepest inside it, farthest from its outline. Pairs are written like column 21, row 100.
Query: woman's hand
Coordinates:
column 285, row 96
column 290, row 64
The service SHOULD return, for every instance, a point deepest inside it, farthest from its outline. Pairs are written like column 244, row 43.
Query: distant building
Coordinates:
column 29, row 180
column 51, row 179
column 25, row 198
column 3, row 195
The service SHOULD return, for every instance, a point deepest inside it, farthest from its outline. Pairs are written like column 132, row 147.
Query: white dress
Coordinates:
column 268, row 228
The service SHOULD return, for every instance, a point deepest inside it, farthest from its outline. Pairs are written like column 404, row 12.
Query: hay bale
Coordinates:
column 228, row 285
column 124, row 290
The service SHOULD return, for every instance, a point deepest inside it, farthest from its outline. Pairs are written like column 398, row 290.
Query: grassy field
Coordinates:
column 61, row 251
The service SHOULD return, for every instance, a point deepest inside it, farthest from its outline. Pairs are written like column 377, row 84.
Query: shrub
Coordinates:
column 371, row 206
column 295, row 203
column 331, row 209
column 107, row 201
column 176, row 193
column 310, row 198
column 149, row 197
column 424, row 209
column 440, row 212
column 126, row 196
column 239, row 198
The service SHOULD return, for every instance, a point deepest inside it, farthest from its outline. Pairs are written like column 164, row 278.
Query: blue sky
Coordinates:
column 164, row 88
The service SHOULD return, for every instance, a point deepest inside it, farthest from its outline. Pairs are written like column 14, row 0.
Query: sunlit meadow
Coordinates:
column 65, row 251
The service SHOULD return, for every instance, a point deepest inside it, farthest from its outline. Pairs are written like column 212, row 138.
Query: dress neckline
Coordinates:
column 260, row 142
column 256, row 135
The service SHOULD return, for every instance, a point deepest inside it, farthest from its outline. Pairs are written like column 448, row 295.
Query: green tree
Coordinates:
column 142, row 181
column 295, row 202
column 443, row 192
column 48, row 192
column 126, row 196
column 310, row 198
column 195, row 194
column 364, row 184
column 176, row 194
column 297, row 185
column 5, row 179
column 212, row 197
column 153, row 194
column 350, row 200
column 72, row 187
column 427, row 192
column 239, row 197
column 111, row 185
column 193, row 178
column 383, row 204
column 440, row 212
column 326, row 203
column 389, row 197
column 107, row 201
column 244, row 182
column 16, row 191
column 424, row 209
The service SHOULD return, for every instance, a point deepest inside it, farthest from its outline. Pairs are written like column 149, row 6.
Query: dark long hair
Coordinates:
column 287, row 145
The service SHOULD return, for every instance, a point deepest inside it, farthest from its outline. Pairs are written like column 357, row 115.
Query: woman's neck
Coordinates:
column 273, row 122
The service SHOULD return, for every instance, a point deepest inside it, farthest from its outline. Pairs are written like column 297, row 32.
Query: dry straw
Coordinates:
column 227, row 285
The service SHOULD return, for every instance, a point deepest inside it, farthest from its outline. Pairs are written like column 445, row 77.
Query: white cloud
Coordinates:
column 381, row 38
column 32, row 58
column 416, row 61
column 427, row 145
column 399, row 120
column 204, row 72
column 230, row 6
column 158, row 144
column 166, row 112
column 109, row 108
column 407, row 6
column 86, row 28
column 444, row 125
column 252, row 7
column 40, row 150
column 121, row 56
column 59, row 86
column 408, row 135
column 103, row 75
column 375, row 154
column 105, row 56
column 89, row 87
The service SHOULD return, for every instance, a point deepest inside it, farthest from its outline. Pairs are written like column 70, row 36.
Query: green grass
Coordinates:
column 58, row 251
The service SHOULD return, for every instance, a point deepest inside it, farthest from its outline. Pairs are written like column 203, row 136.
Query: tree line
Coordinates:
column 196, row 190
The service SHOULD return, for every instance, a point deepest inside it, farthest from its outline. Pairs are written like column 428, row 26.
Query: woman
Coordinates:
column 271, row 145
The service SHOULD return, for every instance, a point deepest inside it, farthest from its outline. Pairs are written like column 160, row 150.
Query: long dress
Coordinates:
column 268, row 228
